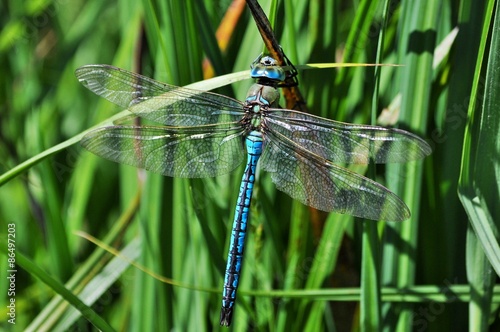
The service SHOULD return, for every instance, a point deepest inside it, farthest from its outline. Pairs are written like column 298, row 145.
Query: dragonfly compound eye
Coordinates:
column 267, row 70
column 268, row 61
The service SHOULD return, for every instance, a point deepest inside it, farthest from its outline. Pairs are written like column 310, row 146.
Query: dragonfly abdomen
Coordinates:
column 235, row 257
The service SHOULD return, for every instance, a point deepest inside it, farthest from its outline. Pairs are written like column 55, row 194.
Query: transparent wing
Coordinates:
column 178, row 152
column 159, row 102
column 346, row 143
column 317, row 182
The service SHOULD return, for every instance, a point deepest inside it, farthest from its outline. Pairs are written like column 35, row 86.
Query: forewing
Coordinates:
column 346, row 143
column 178, row 152
column 159, row 102
column 184, row 107
column 119, row 86
column 317, row 182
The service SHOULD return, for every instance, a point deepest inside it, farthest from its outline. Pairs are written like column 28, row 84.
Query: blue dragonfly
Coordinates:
column 203, row 134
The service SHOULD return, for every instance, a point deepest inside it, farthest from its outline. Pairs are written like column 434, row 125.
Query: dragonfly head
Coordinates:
column 267, row 72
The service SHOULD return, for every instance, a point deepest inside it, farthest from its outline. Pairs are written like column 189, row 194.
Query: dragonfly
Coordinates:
column 204, row 134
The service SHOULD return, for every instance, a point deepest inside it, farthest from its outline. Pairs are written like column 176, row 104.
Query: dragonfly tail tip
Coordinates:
column 226, row 315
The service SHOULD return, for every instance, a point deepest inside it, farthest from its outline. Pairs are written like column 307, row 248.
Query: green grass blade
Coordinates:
column 415, row 82
column 325, row 259
column 370, row 301
column 57, row 307
column 480, row 167
column 481, row 138
column 99, row 285
column 59, row 288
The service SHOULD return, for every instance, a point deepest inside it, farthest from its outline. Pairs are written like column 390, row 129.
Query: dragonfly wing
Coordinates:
column 344, row 142
column 177, row 152
column 119, row 86
column 185, row 107
column 317, row 182
column 159, row 102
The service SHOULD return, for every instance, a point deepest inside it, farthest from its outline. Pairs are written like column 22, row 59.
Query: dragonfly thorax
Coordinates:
column 263, row 95
column 259, row 99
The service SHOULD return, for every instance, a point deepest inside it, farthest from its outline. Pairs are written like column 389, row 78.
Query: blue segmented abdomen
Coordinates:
column 235, row 257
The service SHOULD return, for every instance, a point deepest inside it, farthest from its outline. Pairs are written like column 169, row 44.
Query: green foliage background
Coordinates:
column 303, row 270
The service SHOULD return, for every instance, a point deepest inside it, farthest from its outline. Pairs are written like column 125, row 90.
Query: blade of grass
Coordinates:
column 59, row 288
column 324, row 260
column 370, row 302
column 414, row 294
column 57, row 241
column 418, row 40
column 55, row 308
column 479, row 169
column 99, row 285
column 479, row 162
column 154, row 255
column 356, row 42
column 296, row 251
